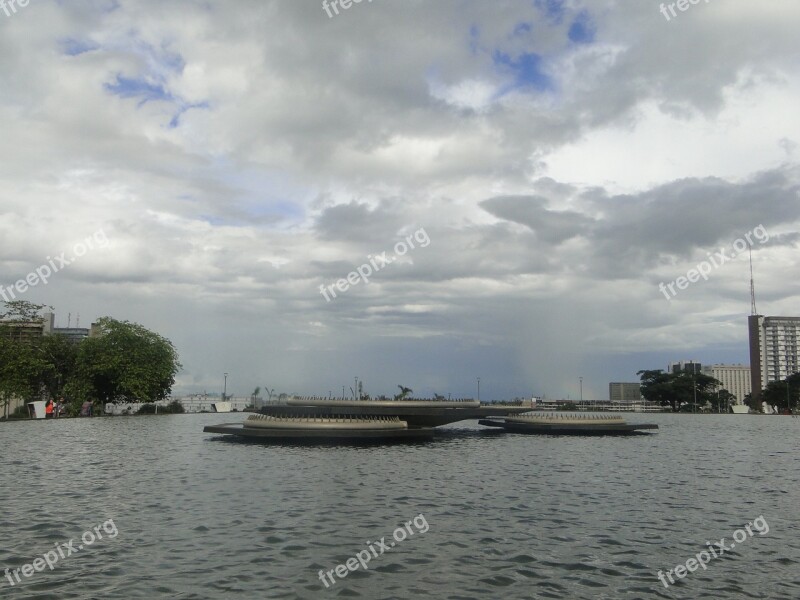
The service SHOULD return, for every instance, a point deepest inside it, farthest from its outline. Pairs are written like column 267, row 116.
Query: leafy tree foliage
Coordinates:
column 776, row 393
column 23, row 364
column 126, row 363
column 677, row 390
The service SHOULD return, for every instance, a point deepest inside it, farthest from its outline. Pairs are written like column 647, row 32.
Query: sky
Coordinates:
column 536, row 172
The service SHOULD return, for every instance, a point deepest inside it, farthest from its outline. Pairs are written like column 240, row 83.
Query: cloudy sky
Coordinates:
column 556, row 160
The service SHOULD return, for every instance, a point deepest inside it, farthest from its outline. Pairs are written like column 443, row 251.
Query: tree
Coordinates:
column 61, row 355
column 752, row 403
column 681, row 391
column 22, row 311
column 404, row 392
column 722, row 400
column 125, row 363
column 776, row 393
column 657, row 387
column 21, row 371
column 24, row 366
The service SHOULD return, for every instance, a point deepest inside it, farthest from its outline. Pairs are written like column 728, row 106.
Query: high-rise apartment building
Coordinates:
column 774, row 345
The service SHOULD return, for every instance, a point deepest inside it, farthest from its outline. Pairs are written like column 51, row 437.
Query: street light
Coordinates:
column 581, row 380
column 225, row 388
column 479, row 390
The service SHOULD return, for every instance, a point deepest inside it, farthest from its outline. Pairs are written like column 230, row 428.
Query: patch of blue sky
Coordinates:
column 176, row 119
column 527, row 71
column 474, row 39
column 73, row 47
column 261, row 196
column 139, row 87
column 583, row 29
column 522, row 29
column 554, row 10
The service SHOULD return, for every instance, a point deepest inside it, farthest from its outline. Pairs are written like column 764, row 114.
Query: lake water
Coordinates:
column 184, row 514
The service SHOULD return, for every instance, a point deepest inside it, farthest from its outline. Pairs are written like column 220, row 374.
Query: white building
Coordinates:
column 734, row 378
column 773, row 349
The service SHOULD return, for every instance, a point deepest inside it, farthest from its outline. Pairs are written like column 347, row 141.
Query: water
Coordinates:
column 198, row 516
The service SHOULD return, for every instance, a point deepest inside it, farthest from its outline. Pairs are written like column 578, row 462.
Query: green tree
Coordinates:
column 23, row 365
column 125, row 363
column 751, row 402
column 404, row 393
column 61, row 355
column 678, row 390
column 776, row 393
column 722, row 400
column 21, row 372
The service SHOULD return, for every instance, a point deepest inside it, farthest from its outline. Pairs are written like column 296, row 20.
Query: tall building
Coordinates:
column 624, row 392
column 734, row 378
column 684, row 366
column 773, row 349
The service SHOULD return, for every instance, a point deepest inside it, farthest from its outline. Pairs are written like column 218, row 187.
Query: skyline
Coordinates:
column 563, row 158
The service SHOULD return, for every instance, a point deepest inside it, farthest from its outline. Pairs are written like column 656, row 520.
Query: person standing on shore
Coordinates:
column 48, row 409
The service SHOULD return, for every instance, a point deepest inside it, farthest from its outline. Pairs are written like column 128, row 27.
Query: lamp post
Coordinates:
column 225, row 388
column 580, row 379
column 479, row 390
column 355, row 389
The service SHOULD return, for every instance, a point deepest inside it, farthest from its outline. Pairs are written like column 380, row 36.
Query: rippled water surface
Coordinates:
column 509, row 516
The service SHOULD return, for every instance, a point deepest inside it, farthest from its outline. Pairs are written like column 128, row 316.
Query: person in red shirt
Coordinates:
column 48, row 409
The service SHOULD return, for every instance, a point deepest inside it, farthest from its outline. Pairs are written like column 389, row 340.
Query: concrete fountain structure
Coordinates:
column 313, row 418
column 567, row 424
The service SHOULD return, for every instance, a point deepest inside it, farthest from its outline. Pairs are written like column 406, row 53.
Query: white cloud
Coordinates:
column 239, row 155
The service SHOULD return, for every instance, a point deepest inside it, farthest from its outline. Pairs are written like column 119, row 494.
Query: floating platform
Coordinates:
column 567, row 425
column 321, row 428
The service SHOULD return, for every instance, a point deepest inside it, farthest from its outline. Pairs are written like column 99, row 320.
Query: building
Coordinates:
column 73, row 334
column 773, row 349
column 44, row 326
column 734, row 378
column 28, row 330
column 685, row 366
column 624, row 392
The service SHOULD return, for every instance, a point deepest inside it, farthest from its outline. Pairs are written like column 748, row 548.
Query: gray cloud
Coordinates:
column 241, row 154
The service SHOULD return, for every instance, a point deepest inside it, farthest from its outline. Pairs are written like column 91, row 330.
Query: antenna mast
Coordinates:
column 752, row 284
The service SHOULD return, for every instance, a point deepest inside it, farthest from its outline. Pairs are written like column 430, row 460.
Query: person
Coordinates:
column 48, row 409
column 59, row 409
